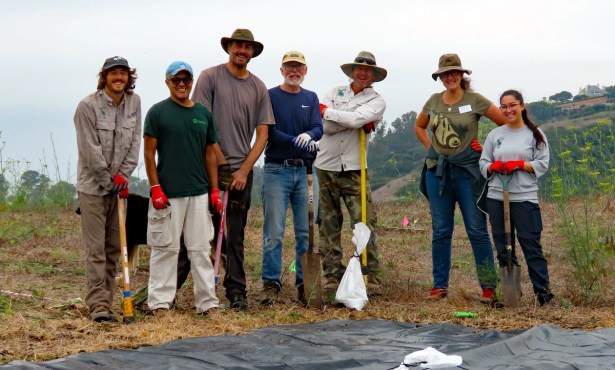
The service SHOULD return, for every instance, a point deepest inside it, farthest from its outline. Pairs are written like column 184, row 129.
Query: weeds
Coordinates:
column 583, row 171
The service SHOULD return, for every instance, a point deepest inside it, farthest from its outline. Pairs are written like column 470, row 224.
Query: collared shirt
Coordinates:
column 108, row 140
column 347, row 113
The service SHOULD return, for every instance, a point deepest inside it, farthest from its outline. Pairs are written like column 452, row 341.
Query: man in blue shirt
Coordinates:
column 290, row 151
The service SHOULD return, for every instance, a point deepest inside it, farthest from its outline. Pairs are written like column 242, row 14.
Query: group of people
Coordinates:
column 199, row 141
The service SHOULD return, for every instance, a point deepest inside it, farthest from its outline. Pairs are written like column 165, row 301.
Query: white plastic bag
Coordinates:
column 430, row 358
column 352, row 292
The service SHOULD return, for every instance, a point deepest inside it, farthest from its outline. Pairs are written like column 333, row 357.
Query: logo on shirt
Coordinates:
column 198, row 121
column 304, row 106
column 498, row 142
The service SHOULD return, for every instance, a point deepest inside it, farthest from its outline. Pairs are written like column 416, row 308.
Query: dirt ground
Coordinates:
column 43, row 317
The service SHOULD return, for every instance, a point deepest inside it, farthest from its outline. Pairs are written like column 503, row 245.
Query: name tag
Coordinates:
column 465, row 109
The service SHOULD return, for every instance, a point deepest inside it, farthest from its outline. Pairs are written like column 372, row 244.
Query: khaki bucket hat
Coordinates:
column 242, row 34
column 365, row 58
column 449, row 62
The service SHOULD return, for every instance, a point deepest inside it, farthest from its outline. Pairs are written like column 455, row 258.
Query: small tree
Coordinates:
column 561, row 97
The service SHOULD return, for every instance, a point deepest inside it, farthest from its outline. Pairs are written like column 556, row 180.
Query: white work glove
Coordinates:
column 312, row 147
column 302, row 140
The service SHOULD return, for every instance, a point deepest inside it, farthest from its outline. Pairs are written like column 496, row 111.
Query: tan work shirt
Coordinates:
column 108, row 140
column 340, row 146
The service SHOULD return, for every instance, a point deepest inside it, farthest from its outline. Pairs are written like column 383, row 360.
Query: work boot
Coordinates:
column 238, row 301
column 102, row 314
column 488, row 296
column 331, row 285
column 437, row 294
column 301, row 294
column 545, row 296
column 271, row 290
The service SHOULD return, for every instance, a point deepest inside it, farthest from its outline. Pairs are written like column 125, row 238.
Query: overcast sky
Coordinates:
column 53, row 51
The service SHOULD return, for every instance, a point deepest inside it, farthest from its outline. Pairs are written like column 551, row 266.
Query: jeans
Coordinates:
column 283, row 184
column 526, row 223
column 458, row 190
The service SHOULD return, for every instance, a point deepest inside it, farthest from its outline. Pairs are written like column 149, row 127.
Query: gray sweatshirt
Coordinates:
column 506, row 144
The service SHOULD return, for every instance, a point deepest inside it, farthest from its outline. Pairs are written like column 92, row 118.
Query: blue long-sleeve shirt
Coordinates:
column 295, row 113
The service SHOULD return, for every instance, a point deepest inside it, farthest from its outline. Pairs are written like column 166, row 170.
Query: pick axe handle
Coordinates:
column 220, row 235
column 363, row 194
column 127, row 306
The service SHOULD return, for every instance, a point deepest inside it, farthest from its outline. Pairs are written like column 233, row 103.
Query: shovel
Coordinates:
column 363, row 198
column 220, row 235
column 127, row 306
column 511, row 273
column 310, row 260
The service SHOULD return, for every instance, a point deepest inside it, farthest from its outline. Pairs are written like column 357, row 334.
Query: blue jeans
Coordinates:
column 283, row 184
column 458, row 189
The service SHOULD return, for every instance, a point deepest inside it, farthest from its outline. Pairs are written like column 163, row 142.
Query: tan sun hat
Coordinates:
column 293, row 56
column 242, row 34
column 365, row 58
column 449, row 62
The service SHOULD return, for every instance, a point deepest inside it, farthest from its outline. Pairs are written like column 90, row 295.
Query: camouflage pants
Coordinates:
column 333, row 187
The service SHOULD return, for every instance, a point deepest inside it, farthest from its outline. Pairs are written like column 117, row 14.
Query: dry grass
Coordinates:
column 41, row 256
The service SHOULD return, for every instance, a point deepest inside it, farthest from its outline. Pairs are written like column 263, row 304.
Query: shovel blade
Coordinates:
column 511, row 285
column 312, row 274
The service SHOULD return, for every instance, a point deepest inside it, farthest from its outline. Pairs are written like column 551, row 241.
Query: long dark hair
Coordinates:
column 526, row 118
column 130, row 85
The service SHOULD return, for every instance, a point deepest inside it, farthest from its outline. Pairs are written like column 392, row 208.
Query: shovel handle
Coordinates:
column 220, row 235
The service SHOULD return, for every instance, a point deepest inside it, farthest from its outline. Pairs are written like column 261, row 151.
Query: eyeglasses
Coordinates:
column 369, row 61
column 177, row 80
column 290, row 67
column 510, row 106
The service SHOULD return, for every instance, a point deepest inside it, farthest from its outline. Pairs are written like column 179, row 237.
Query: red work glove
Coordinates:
column 369, row 127
column 214, row 198
column 476, row 146
column 322, row 109
column 512, row 166
column 159, row 200
column 497, row 166
column 123, row 193
column 119, row 183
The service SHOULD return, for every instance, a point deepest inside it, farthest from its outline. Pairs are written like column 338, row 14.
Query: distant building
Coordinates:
column 592, row 91
column 577, row 104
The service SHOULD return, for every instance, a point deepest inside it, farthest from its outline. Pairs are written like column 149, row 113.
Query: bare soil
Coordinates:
column 42, row 277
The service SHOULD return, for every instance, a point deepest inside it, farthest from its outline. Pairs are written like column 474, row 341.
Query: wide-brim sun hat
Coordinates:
column 449, row 62
column 365, row 58
column 245, row 35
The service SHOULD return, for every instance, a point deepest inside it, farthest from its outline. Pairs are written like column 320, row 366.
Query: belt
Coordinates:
column 288, row 162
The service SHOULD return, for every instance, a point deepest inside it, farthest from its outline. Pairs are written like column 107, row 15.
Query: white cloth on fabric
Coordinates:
column 430, row 358
column 351, row 291
column 190, row 215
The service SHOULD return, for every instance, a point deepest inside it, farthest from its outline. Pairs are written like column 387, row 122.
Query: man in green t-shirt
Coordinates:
column 183, row 134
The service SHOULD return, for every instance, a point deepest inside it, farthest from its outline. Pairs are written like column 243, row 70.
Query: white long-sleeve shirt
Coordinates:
column 508, row 144
column 340, row 146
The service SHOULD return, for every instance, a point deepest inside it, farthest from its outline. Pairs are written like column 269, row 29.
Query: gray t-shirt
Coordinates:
column 238, row 106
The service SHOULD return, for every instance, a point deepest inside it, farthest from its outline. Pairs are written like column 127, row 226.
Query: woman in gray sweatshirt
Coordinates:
column 518, row 150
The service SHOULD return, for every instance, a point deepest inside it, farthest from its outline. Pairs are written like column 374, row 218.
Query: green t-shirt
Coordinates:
column 182, row 135
column 454, row 127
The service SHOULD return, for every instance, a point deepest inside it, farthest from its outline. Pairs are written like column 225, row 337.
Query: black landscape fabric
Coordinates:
column 369, row 344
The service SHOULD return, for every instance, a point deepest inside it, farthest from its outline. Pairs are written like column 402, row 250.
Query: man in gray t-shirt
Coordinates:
column 239, row 102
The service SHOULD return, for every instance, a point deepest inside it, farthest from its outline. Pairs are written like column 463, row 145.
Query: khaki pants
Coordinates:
column 190, row 216
column 100, row 227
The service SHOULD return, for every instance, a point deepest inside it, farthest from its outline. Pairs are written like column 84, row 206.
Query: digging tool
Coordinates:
column 220, row 235
column 310, row 260
column 363, row 199
column 127, row 307
column 511, row 273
